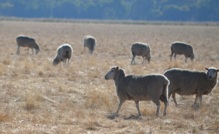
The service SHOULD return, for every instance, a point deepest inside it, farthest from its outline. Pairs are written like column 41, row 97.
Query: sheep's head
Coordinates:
column 192, row 57
column 56, row 61
column 37, row 50
column 111, row 73
column 211, row 72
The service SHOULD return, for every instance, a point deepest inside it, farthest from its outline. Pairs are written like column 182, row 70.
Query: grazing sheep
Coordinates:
column 90, row 43
column 64, row 53
column 186, row 82
column 140, row 49
column 139, row 88
column 24, row 41
column 182, row 49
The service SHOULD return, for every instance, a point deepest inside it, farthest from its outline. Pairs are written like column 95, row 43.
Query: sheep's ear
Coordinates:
column 117, row 68
column 206, row 68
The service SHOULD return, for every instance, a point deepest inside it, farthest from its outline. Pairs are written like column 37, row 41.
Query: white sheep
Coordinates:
column 90, row 43
column 24, row 41
column 187, row 82
column 64, row 53
column 181, row 48
column 139, row 88
column 140, row 49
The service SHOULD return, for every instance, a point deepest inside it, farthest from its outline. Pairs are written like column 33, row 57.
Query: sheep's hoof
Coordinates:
column 133, row 117
column 196, row 106
column 139, row 117
column 112, row 116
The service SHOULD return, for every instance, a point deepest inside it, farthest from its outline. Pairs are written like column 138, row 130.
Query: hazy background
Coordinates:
column 147, row 10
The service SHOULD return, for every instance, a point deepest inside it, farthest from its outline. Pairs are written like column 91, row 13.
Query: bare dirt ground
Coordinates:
column 36, row 97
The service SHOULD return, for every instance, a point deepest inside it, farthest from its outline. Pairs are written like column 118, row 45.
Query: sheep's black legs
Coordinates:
column 185, row 59
column 120, row 104
column 133, row 60
column 137, row 106
column 171, row 55
column 174, row 99
column 200, row 100
column 174, row 56
column 157, row 102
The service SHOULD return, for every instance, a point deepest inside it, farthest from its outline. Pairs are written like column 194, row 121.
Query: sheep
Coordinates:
column 140, row 49
column 64, row 53
column 181, row 48
column 187, row 82
column 90, row 43
column 25, row 41
column 139, row 88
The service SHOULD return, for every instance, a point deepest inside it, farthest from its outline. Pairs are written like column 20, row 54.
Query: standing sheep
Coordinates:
column 24, row 41
column 140, row 49
column 186, row 82
column 90, row 43
column 139, row 88
column 182, row 49
column 64, row 53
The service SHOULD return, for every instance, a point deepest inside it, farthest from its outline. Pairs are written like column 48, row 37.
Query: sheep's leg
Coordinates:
column 28, row 50
column 174, row 56
column 133, row 59
column 18, row 49
column 185, row 59
column 32, row 51
column 149, row 59
column 120, row 104
column 144, row 59
column 157, row 102
column 200, row 100
column 137, row 106
column 171, row 55
column 164, row 99
column 165, row 107
column 196, row 98
column 174, row 98
column 64, row 61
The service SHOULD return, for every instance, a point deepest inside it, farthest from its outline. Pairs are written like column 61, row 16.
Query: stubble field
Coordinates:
column 36, row 97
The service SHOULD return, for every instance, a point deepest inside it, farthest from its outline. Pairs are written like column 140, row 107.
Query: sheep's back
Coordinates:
column 181, row 48
column 185, row 82
column 140, row 48
column 90, row 42
column 65, row 51
column 25, row 41
column 145, row 87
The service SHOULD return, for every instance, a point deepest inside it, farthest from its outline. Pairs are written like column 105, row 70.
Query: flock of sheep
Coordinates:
column 154, row 87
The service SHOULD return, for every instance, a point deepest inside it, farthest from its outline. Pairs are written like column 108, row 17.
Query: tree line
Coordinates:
column 148, row 10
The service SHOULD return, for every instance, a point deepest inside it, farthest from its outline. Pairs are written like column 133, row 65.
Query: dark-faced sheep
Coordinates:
column 64, row 53
column 24, row 41
column 90, row 43
column 139, row 88
column 186, row 82
column 140, row 49
column 181, row 48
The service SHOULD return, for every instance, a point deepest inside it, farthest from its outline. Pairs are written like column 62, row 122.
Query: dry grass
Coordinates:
column 37, row 97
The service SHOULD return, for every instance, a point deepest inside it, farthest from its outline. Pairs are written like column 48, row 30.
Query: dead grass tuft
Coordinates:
column 148, row 111
column 215, row 126
column 31, row 104
column 4, row 118
column 32, row 100
column 2, row 69
column 40, row 73
column 97, row 99
column 6, row 62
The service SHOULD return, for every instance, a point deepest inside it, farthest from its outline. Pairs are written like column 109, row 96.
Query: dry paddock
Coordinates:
column 36, row 97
